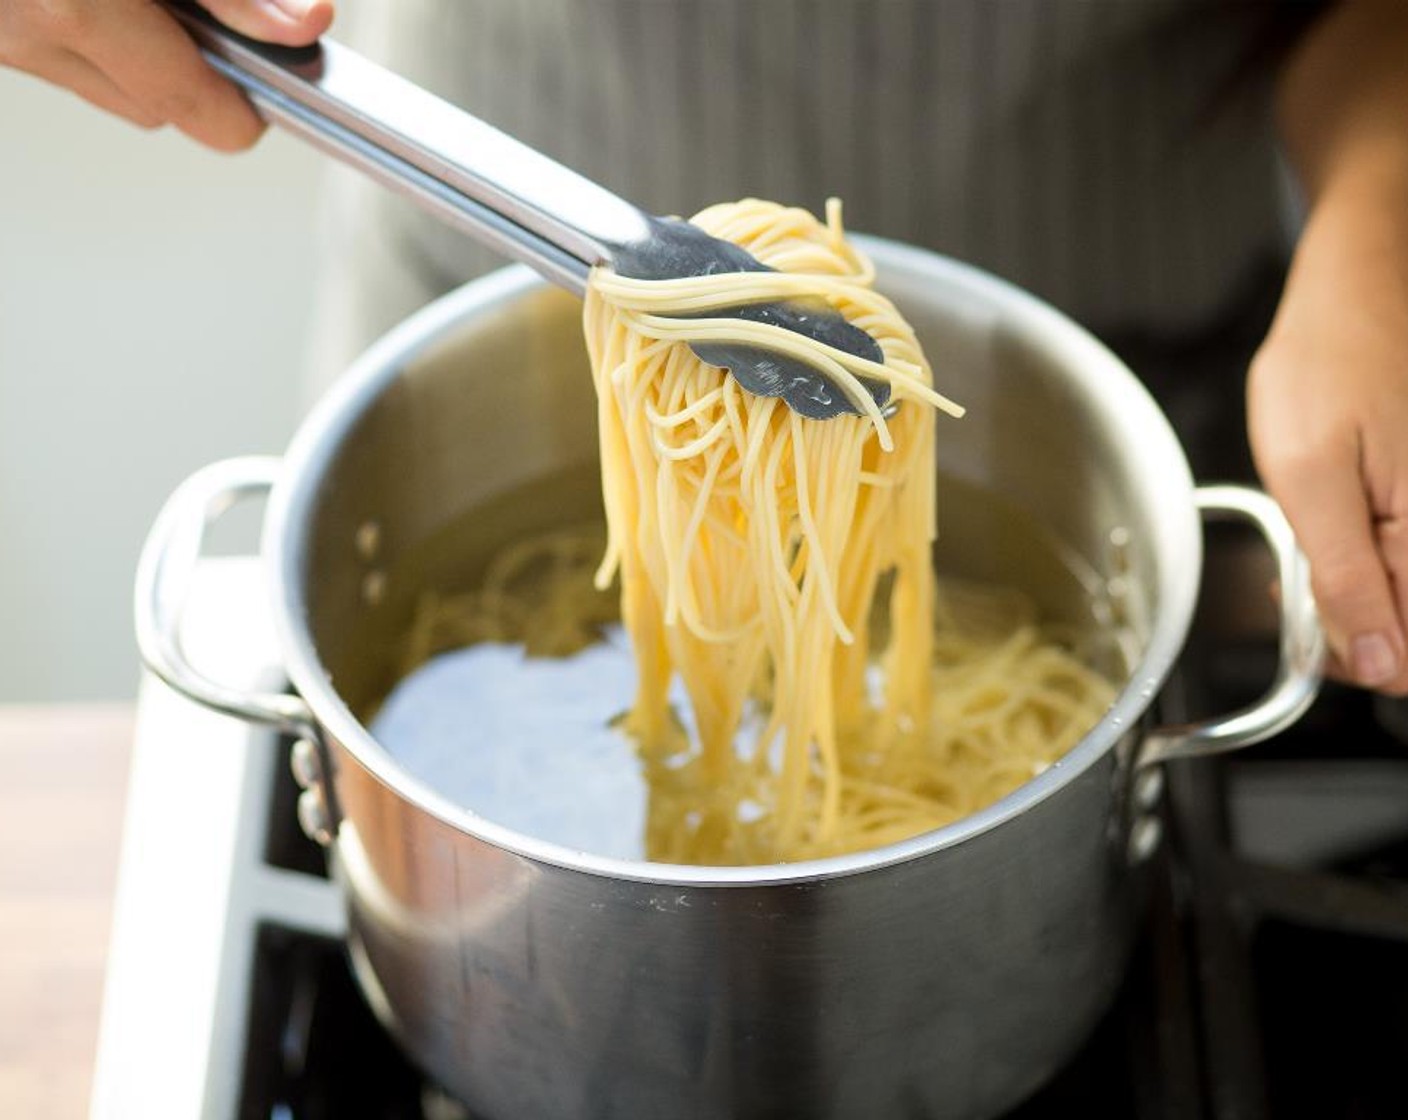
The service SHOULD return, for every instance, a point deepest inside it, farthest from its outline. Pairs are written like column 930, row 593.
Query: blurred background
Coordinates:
column 139, row 340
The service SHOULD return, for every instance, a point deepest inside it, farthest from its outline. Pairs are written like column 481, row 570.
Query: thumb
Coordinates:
column 290, row 23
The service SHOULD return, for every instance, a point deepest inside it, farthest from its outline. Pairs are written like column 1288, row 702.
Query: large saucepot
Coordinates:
column 945, row 976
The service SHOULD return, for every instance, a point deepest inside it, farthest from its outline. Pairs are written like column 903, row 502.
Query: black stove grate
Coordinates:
column 313, row 1049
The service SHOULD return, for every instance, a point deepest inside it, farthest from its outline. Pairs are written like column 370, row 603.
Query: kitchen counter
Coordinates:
column 63, row 780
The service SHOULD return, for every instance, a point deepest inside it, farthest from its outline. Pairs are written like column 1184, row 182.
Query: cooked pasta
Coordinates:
column 780, row 568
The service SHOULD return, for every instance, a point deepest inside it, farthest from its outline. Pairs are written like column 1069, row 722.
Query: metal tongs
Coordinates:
column 516, row 200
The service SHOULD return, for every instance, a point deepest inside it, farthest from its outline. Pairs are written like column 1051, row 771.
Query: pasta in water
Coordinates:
column 780, row 569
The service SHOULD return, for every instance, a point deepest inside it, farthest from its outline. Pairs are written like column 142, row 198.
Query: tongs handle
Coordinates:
column 502, row 192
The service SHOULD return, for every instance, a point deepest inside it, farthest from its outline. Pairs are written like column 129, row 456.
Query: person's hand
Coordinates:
column 1328, row 392
column 1328, row 415
column 132, row 58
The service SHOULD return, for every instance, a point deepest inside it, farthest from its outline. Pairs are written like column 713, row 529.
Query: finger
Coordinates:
column 293, row 23
column 1323, row 495
column 1391, row 544
column 148, row 56
column 64, row 68
column 1392, row 534
column 1335, row 669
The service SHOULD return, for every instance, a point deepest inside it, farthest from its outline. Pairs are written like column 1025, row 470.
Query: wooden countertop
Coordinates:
column 63, row 781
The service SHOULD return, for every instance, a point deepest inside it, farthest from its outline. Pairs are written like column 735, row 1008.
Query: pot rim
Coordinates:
column 1178, row 527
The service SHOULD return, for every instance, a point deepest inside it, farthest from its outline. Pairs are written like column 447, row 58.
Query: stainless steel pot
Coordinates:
column 945, row 976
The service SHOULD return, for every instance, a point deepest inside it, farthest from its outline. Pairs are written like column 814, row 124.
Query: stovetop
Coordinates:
column 1270, row 978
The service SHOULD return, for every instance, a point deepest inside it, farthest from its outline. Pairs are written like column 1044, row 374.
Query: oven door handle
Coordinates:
column 1302, row 646
column 164, row 573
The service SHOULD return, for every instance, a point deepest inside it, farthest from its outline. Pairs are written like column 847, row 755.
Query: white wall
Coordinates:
column 153, row 298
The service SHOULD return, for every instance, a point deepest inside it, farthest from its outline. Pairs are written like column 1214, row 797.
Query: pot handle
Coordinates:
column 1302, row 657
column 164, row 573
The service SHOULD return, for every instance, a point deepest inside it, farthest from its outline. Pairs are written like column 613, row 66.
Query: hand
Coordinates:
column 132, row 58
column 1328, row 416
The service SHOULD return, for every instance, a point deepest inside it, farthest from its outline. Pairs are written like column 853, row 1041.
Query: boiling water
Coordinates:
column 528, row 742
column 532, row 743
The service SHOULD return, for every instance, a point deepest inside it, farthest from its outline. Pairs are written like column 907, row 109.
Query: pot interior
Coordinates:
column 476, row 424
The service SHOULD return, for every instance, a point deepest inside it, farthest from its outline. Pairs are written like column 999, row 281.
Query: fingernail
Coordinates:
column 1372, row 659
column 294, row 9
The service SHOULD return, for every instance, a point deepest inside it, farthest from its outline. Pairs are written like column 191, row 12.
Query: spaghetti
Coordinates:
column 780, row 569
